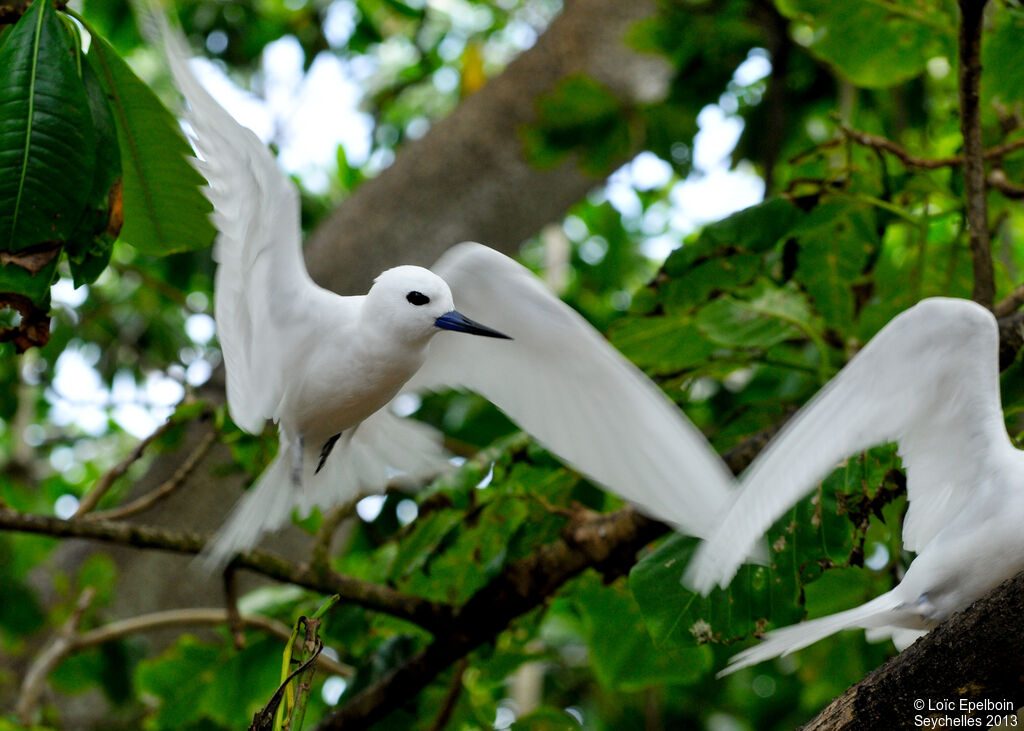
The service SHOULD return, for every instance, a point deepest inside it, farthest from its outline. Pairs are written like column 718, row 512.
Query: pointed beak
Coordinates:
column 458, row 322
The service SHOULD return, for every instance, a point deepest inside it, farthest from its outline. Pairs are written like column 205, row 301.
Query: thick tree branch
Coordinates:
column 599, row 541
column 608, row 543
column 977, row 654
column 972, row 14
column 468, row 178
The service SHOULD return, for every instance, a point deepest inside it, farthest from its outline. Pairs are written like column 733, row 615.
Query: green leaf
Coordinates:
column 662, row 345
column 196, row 681
column 756, row 228
column 677, row 618
column 875, row 45
column 836, row 240
column 773, row 317
column 1003, row 50
column 819, row 531
column 90, row 246
column 164, row 208
column 581, row 115
column 719, row 274
column 471, row 555
column 46, row 150
column 415, row 551
column 621, row 652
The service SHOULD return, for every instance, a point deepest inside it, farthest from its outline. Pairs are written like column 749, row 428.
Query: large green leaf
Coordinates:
column 47, row 148
column 662, row 345
column 757, row 228
column 1003, row 50
column 90, row 245
column 821, row 531
column 873, row 44
column 164, row 208
column 621, row 652
column 776, row 315
column 836, row 240
column 196, row 681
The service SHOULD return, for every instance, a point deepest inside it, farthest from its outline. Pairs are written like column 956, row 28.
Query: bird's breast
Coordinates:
column 339, row 392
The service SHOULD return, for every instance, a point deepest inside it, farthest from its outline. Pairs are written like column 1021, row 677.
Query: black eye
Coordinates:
column 417, row 298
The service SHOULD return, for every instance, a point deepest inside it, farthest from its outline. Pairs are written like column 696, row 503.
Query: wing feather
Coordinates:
column 261, row 282
column 928, row 381
column 563, row 383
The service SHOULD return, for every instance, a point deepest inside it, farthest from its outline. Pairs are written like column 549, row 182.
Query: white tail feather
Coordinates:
column 781, row 642
column 357, row 465
column 265, row 507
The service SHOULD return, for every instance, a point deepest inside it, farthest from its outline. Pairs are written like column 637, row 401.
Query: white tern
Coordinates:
column 325, row 367
column 929, row 381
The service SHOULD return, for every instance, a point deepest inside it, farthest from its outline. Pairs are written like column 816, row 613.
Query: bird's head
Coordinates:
column 414, row 303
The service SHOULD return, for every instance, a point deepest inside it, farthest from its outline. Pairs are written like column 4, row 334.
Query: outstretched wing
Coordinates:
column 563, row 383
column 929, row 381
column 261, row 283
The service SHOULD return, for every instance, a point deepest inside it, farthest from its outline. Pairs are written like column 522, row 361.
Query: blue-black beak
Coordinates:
column 458, row 322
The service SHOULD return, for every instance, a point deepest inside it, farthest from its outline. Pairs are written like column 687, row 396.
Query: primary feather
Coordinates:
column 324, row 367
column 928, row 381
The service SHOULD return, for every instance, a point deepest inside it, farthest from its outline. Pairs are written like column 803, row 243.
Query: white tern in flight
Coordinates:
column 929, row 381
column 325, row 367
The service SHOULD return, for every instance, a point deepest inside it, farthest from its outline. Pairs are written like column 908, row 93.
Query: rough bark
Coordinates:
column 467, row 178
column 977, row 655
column 972, row 13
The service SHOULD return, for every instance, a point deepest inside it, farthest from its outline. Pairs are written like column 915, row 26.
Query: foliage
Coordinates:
column 742, row 323
column 74, row 122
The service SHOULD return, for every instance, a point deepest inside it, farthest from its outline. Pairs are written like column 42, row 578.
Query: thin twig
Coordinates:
column 92, row 498
column 231, row 605
column 169, row 486
column 972, row 14
column 883, row 143
column 62, row 645
column 451, row 696
column 68, row 642
column 877, row 142
column 997, row 180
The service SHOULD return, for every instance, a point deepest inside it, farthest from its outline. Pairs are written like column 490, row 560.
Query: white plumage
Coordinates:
column 321, row 365
column 929, row 381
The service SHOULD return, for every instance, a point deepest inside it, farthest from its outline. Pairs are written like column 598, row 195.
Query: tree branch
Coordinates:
column 68, row 642
column 52, row 655
column 468, row 178
column 154, row 496
column 977, row 654
column 427, row 614
column 608, row 543
column 972, row 14
column 1010, row 303
column 92, row 498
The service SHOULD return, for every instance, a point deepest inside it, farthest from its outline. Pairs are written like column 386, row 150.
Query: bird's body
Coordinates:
column 929, row 382
column 325, row 367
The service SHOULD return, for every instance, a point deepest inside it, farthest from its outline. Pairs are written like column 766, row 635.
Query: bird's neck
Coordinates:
column 378, row 349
